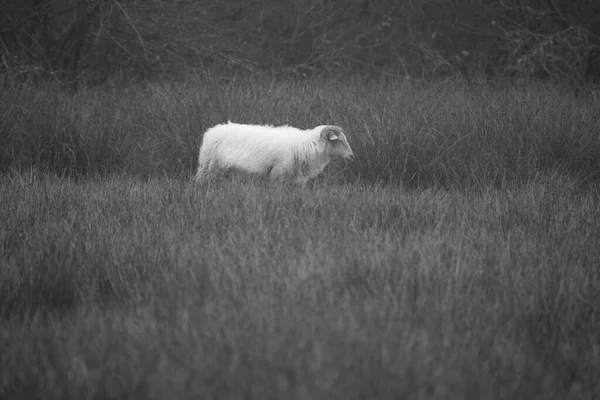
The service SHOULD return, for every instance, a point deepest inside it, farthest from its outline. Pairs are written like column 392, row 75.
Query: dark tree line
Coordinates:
column 91, row 41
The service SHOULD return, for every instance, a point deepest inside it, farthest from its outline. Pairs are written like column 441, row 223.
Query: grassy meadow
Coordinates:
column 458, row 257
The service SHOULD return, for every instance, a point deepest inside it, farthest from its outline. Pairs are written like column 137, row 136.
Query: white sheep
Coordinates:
column 282, row 152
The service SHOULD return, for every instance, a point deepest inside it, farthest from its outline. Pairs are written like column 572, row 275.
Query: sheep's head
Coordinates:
column 337, row 144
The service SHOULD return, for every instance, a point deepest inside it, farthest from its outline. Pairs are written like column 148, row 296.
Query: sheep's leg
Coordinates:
column 201, row 172
column 276, row 172
column 280, row 174
column 301, row 181
column 205, row 171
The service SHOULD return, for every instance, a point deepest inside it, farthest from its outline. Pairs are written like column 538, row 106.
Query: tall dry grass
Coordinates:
column 449, row 133
column 456, row 258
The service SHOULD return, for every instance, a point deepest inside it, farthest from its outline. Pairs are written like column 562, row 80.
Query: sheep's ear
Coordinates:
column 329, row 134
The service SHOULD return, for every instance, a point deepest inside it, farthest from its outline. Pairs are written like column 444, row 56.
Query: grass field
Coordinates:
column 457, row 257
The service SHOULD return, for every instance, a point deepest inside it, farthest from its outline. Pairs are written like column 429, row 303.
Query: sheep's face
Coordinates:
column 337, row 144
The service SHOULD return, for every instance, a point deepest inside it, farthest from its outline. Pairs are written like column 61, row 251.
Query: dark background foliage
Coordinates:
column 93, row 41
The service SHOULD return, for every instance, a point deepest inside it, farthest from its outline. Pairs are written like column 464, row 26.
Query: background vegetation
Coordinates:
column 456, row 257
column 94, row 41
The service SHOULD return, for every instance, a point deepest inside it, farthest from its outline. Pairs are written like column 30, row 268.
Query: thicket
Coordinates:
column 93, row 41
